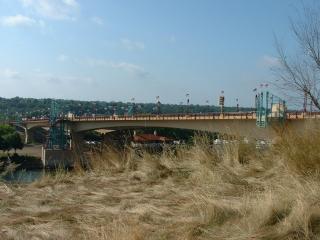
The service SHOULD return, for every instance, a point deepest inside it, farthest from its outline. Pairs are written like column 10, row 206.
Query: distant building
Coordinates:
column 150, row 140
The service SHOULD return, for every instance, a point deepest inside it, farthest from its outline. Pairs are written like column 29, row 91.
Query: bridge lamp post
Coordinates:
column 114, row 110
column 158, row 105
column 221, row 102
column 261, row 85
column 94, row 108
column 110, row 109
column 139, row 107
column 188, row 101
column 255, row 99
column 79, row 109
column 181, row 107
column 207, row 102
column 237, row 101
column 133, row 105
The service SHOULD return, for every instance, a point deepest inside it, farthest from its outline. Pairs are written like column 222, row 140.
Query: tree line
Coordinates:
column 15, row 108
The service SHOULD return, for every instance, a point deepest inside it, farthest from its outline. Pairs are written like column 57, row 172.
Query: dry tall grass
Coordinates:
column 197, row 192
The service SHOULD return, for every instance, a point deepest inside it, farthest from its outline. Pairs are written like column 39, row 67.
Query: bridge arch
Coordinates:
column 242, row 127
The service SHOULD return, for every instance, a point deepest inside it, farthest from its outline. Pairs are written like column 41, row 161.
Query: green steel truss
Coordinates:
column 57, row 133
column 269, row 108
column 131, row 110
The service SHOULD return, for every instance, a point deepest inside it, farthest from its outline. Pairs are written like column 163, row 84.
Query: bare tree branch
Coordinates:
column 301, row 74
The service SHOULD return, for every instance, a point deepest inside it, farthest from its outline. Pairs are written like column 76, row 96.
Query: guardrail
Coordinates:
column 302, row 115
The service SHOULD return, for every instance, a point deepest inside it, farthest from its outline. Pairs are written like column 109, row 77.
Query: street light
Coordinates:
column 221, row 102
column 188, row 101
column 264, row 85
column 133, row 105
column 158, row 104
column 94, row 109
column 114, row 110
column 207, row 102
column 181, row 107
column 188, row 98
column 237, row 100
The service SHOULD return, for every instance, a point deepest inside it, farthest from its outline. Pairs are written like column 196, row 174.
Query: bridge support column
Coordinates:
column 55, row 159
column 26, row 135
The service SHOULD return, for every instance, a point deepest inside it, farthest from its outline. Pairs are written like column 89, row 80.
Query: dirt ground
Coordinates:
column 30, row 150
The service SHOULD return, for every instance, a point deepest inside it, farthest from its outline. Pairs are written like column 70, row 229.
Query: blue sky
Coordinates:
column 119, row 49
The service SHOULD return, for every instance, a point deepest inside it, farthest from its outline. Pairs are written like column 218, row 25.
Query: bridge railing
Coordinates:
column 302, row 115
column 181, row 116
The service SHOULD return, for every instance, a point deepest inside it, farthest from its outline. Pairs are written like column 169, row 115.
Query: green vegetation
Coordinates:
column 9, row 139
column 30, row 107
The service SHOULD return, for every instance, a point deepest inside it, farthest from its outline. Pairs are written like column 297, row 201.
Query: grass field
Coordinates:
column 199, row 192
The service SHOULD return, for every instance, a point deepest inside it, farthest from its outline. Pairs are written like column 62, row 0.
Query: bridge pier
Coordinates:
column 26, row 135
column 66, row 158
column 55, row 158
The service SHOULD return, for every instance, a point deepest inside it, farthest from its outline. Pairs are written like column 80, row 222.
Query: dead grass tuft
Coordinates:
column 301, row 151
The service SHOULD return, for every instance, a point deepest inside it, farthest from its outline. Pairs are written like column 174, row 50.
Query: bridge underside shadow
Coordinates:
column 246, row 128
column 242, row 128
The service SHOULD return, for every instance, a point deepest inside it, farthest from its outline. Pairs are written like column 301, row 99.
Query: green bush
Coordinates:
column 9, row 139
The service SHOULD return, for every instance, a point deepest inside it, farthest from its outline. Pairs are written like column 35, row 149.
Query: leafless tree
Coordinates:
column 301, row 74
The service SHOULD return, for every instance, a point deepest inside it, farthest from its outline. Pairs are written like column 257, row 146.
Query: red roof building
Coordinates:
column 150, row 138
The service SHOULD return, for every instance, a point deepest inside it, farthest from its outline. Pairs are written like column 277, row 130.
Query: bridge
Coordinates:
column 270, row 119
column 233, row 123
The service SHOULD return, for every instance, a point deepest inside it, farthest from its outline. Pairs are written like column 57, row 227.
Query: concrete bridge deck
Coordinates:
column 239, row 123
column 235, row 123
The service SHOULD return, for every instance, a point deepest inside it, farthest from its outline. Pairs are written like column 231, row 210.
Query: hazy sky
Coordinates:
column 119, row 49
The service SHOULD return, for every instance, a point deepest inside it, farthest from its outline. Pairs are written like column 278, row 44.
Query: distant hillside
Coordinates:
column 30, row 107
